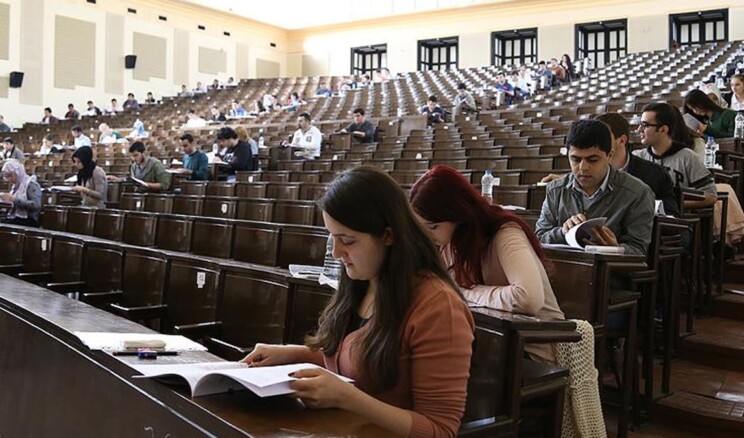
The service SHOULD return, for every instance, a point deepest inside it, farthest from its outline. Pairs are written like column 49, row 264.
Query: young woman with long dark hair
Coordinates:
column 397, row 325
column 719, row 122
column 491, row 253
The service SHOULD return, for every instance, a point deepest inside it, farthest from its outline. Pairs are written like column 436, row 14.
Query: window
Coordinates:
column 698, row 27
column 603, row 42
column 438, row 54
column 367, row 59
column 514, row 47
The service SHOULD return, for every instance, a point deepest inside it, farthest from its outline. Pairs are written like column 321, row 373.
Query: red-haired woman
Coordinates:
column 491, row 253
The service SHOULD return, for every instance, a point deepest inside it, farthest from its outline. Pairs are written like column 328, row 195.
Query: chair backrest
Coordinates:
column 256, row 242
column 11, row 246
column 174, row 232
column 191, row 291
column 256, row 209
column 67, row 258
column 109, row 224
column 144, row 275
column 488, row 382
column 283, row 190
column 305, row 306
column 139, row 228
column 159, row 203
column 253, row 305
column 213, row 237
column 54, row 217
column 302, row 245
column 255, row 189
column 215, row 188
column 132, row 201
column 102, row 266
column 198, row 188
column 294, row 212
column 37, row 251
column 189, row 205
column 220, row 207
column 81, row 220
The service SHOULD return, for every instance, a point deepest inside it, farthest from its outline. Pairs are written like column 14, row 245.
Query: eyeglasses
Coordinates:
column 645, row 125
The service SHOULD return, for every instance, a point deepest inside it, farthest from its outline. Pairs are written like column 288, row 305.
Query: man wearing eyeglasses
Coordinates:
column 687, row 170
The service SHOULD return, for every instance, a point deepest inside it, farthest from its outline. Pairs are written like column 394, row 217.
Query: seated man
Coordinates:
column 362, row 131
column 194, row 121
column 195, row 162
column 49, row 119
column 108, row 135
column 237, row 156
column 307, row 137
column 505, row 89
column 434, row 112
column 464, row 101
column 72, row 113
column 131, row 103
column 149, row 171
column 595, row 189
column 11, row 151
column 323, row 90
column 653, row 175
column 80, row 138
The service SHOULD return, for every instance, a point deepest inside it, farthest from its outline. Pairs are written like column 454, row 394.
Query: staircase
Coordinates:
column 708, row 380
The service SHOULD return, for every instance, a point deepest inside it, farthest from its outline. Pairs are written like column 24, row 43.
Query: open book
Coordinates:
column 219, row 377
column 61, row 188
column 577, row 236
column 138, row 181
column 692, row 122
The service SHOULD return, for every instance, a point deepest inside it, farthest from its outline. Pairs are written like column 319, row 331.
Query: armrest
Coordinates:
column 102, row 298
column 692, row 195
column 36, row 277
column 226, row 350
column 199, row 330
column 548, row 336
column 10, row 269
column 66, row 287
column 139, row 313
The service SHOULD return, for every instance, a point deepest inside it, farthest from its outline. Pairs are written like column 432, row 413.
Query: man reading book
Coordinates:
column 595, row 189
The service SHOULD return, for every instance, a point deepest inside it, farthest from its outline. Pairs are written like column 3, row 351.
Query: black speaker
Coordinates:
column 130, row 61
column 16, row 79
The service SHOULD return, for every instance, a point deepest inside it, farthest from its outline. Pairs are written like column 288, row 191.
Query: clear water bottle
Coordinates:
column 710, row 152
column 331, row 266
column 487, row 186
column 261, row 141
column 739, row 125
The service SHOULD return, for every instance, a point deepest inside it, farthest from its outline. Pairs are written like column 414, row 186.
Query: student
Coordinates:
column 596, row 189
column 397, row 324
column 720, row 121
column 238, row 155
column 11, row 151
column 91, row 179
column 24, row 196
column 148, row 169
column 434, row 112
column 362, row 130
column 491, row 253
column 307, row 137
column 195, row 162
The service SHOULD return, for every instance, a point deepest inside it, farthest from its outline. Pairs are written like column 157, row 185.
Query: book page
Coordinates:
column 305, row 271
column 139, row 181
column 193, row 374
column 691, row 122
column 61, row 188
column 578, row 234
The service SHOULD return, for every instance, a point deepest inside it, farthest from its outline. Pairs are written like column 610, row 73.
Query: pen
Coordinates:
column 136, row 353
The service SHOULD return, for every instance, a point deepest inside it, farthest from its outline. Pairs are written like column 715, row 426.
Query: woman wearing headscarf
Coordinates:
column 91, row 179
column 24, row 195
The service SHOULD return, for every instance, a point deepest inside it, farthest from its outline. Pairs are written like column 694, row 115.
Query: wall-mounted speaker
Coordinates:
column 130, row 61
column 16, row 79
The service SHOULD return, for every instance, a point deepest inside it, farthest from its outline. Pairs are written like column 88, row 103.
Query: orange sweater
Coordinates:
column 434, row 361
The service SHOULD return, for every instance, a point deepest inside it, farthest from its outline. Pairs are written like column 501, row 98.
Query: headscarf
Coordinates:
column 20, row 186
column 85, row 155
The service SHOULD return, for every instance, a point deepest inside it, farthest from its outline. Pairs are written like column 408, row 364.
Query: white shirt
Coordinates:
column 736, row 105
column 309, row 140
column 196, row 122
column 82, row 140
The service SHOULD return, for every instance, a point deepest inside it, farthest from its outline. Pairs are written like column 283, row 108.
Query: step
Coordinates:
column 735, row 271
column 717, row 342
column 729, row 305
column 705, row 396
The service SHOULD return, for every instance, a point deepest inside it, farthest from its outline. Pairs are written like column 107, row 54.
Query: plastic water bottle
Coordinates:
column 331, row 266
column 261, row 141
column 710, row 152
column 739, row 125
column 487, row 186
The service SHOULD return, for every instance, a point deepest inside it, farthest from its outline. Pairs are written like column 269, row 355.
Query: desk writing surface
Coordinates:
column 52, row 317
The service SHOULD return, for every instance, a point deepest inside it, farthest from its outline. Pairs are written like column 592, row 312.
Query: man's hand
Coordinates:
column 602, row 236
column 573, row 221
column 550, row 177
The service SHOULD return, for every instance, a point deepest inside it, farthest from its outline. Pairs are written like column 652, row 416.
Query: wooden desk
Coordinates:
column 52, row 385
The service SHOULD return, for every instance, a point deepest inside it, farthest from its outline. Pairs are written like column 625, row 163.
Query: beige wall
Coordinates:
column 31, row 49
column 555, row 20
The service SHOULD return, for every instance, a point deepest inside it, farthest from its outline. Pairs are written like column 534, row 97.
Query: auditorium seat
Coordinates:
column 212, row 237
column 143, row 283
column 256, row 242
column 215, row 188
column 256, row 189
column 191, row 292
column 174, row 232
column 159, row 203
column 54, row 217
column 109, row 224
column 256, row 209
column 220, row 207
column 283, row 190
column 139, row 228
column 294, row 212
column 197, row 188
column 302, row 245
column 189, row 205
column 81, row 220
column 101, row 271
column 66, row 262
column 11, row 249
column 131, row 201
column 251, row 309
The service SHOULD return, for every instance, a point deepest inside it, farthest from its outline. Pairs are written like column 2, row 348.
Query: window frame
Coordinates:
column 607, row 29
column 701, row 18
column 369, row 53
column 438, row 46
column 499, row 40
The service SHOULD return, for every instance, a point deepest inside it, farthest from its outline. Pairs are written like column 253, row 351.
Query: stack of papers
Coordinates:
column 119, row 341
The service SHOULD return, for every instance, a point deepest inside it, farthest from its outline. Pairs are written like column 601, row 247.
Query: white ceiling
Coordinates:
column 298, row 14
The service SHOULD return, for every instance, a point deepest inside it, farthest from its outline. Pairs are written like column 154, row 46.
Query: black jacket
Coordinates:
column 242, row 158
column 657, row 179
